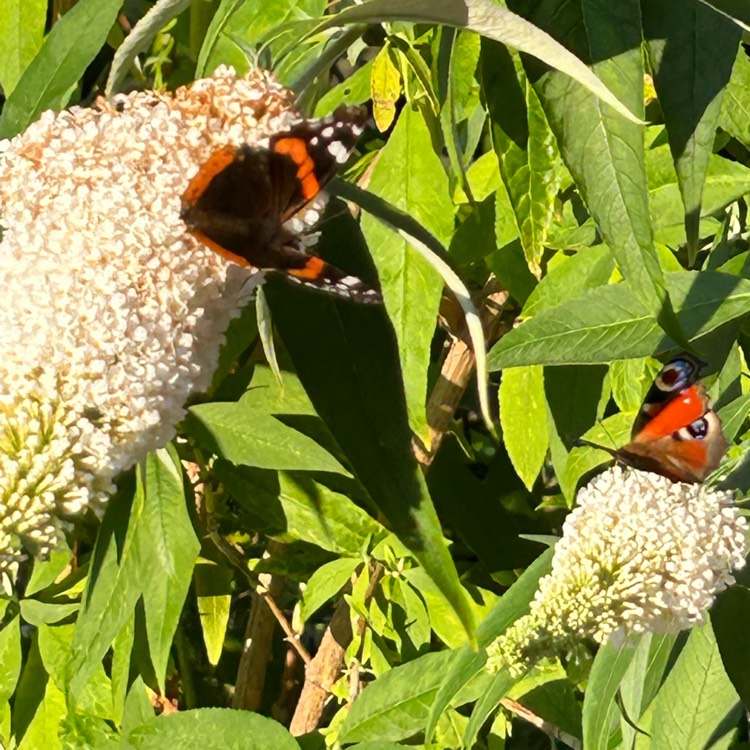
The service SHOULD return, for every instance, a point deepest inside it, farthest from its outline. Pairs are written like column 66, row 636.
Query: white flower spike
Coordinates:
column 639, row 553
column 111, row 313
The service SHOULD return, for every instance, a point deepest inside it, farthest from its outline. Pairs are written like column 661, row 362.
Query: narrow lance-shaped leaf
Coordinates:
column 695, row 699
column 493, row 21
column 523, row 415
column 140, row 39
column 168, row 548
column 735, row 103
column 21, row 36
column 526, row 149
column 603, row 151
column 609, row 323
column 737, row 10
column 692, row 49
column 346, row 358
column 50, row 77
column 410, row 175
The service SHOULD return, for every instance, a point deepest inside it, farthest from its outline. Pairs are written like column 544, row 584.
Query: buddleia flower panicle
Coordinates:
column 638, row 554
column 111, row 313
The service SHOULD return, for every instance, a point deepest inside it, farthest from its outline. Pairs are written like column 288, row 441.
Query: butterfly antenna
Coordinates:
column 589, row 444
column 582, row 443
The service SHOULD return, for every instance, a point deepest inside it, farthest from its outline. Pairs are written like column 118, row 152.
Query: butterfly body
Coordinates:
column 243, row 201
column 676, row 434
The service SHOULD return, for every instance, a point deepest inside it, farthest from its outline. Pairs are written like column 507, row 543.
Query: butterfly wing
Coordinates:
column 317, row 149
column 676, row 434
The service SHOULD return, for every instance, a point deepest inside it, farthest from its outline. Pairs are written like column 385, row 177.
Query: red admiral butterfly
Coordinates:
column 675, row 433
column 240, row 201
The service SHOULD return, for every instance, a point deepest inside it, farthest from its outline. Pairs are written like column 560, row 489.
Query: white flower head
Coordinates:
column 639, row 553
column 111, row 313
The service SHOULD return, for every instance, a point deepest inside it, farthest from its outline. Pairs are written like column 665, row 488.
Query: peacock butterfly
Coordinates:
column 675, row 434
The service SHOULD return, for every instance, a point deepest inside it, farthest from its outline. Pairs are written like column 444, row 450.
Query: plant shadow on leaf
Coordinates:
column 473, row 508
column 347, row 360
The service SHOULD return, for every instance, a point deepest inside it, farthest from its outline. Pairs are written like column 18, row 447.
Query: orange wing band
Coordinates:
column 296, row 149
column 217, row 162
column 681, row 412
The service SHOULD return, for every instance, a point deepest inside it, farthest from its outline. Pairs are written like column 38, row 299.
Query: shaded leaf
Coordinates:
column 729, row 617
column 351, row 373
column 248, row 437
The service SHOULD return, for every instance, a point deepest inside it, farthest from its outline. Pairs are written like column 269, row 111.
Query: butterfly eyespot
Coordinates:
column 695, row 431
column 675, row 376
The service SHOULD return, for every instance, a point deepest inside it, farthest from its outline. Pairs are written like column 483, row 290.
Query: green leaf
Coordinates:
column 609, row 323
column 140, row 39
column 114, row 587
column 21, row 36
column 600, row 711
column 733, row 416
column 54, row 646
column 293, row 507
column 325, row 583
column 492, row 21
column 486, row 705
column 611, row 432
column 729, row 617
column 168, row 547
column 351, row 372
column 692, row 49
column 726, row 181
column 239, row 26
column 735, row 104
column 409, row 174
column 265, row 332
column 695, row 698
column 10, row 670
column 603, row 151
column 525, row 146
column 45, row 726
column 37, row 613
column 248, row 437
column 46, row 572
column 385, row 88
column 523, row 416
column 570, row 277
column 737, row 10
column 468, row 662
column 213, row 590
column 442, row 618
column 211, row 729
column 395, row 705
column 642, row 680
column 353, row 90
column 630, row 379
column 50, row 77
